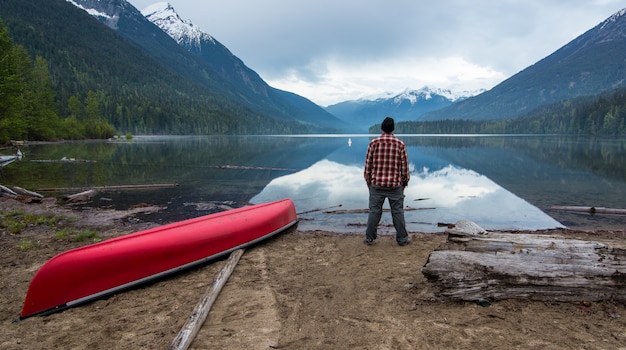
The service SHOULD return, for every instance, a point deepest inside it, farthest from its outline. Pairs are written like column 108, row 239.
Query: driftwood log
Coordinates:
column 26, row 192
column 4, row 189
column 80, row 197
column 108, row 188
column 190, row 329
column 590, row 210
column 499, row 266
column 365, row 211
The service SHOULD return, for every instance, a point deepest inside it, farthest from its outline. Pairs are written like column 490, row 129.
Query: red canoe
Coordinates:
column 90, row 272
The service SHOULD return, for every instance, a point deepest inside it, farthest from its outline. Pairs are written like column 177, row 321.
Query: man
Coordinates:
column 386, row 174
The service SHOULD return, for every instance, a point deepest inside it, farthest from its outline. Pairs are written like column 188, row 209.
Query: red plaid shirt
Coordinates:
column 386, row 162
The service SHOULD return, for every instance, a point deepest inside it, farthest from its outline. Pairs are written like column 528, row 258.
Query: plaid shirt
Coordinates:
column 386, row 162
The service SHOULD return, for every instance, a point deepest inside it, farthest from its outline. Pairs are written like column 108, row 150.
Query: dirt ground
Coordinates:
column 298, row 290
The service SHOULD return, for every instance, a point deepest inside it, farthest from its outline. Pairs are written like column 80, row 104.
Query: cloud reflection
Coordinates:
column 442, row 196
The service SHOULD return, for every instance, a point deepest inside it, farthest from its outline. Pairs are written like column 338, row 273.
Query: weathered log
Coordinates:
column 63, row 160
column 527, row 266
column 80, row 197
column 4, row 189
column 190, row 329
column 27, row 192
column 590, row 210
column 107, row 188
column 365, row 211
column 243, row 167
column 319, row 209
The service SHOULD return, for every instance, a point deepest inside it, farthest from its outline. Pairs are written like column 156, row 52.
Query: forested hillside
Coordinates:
column 590, row 64
column 602, row 115
column 85, row 59
column 27, row 105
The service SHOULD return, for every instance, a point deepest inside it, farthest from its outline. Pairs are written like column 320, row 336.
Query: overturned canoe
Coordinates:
column 90, row 272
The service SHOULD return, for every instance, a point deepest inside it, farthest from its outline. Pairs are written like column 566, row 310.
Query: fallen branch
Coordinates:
column 63, row 160
column 4, row 189
column 319, row 209
column 199, row 314
column 107, row 188
column 590, row 210
column 363, row 211
column 27, row 192
column 80, row 197
column 249, row 167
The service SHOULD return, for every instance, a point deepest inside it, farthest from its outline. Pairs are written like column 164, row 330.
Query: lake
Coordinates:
column 498, row 181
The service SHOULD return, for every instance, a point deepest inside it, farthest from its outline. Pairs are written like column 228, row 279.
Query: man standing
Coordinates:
column 386, row 174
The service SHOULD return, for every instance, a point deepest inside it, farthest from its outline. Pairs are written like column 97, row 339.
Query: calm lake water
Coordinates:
column 499, row 182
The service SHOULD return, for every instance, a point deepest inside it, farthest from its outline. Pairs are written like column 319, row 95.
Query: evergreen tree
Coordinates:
column 40, row 112
column 28, row 109
column 14, row 63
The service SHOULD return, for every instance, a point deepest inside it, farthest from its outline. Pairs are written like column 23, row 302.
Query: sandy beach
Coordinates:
column 298, row 290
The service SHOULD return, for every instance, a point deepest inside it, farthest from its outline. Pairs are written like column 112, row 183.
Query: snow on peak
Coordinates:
column 614, row 18
column 425, row 93
column 163, row 15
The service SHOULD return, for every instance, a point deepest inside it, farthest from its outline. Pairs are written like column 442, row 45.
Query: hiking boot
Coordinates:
column 368, row 241
column 404, row 243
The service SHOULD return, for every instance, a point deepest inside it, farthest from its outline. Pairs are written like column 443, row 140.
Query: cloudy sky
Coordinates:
column 336, row 50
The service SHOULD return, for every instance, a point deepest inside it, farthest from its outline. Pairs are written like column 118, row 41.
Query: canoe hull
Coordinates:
column 90, row 272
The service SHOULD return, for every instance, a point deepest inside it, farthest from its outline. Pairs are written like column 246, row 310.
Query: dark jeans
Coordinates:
column 395, row 195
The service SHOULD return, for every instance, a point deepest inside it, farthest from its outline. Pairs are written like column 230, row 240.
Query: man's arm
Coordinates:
column 404, row 167
column 369, row 160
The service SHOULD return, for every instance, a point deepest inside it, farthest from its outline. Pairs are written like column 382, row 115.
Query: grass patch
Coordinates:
column 27, row 244
column 62, row 234
column 87, row 234
column 77, row 235
column 14, row 222
column 15, row 227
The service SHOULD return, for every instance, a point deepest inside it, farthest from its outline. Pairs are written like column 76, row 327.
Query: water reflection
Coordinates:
column 497, row 181
column 333, row 197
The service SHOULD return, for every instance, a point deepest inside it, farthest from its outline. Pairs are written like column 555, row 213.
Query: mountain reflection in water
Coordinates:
column 333, row 197
column 498, row 181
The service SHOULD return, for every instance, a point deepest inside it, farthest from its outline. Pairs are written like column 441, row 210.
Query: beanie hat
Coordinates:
column 387, row 125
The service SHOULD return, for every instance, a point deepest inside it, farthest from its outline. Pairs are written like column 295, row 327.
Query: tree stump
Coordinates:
column 499, row 266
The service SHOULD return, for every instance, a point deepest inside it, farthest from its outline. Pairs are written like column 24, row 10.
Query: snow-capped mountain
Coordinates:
column 183, row 31
column 192, row 38
column 405, row 106
column 183, row 48
column 231, row 68
column 425, row 93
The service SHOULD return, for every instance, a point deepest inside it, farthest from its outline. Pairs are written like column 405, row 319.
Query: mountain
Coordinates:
column 232, row 69
column 193, row 39
column 592, row 63
column 406, row 106
column 134, row 91
column 129, row 23
column 235, row 79
column 144, row 81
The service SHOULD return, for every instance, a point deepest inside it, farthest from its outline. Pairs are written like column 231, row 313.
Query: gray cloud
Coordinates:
column 297, row 43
